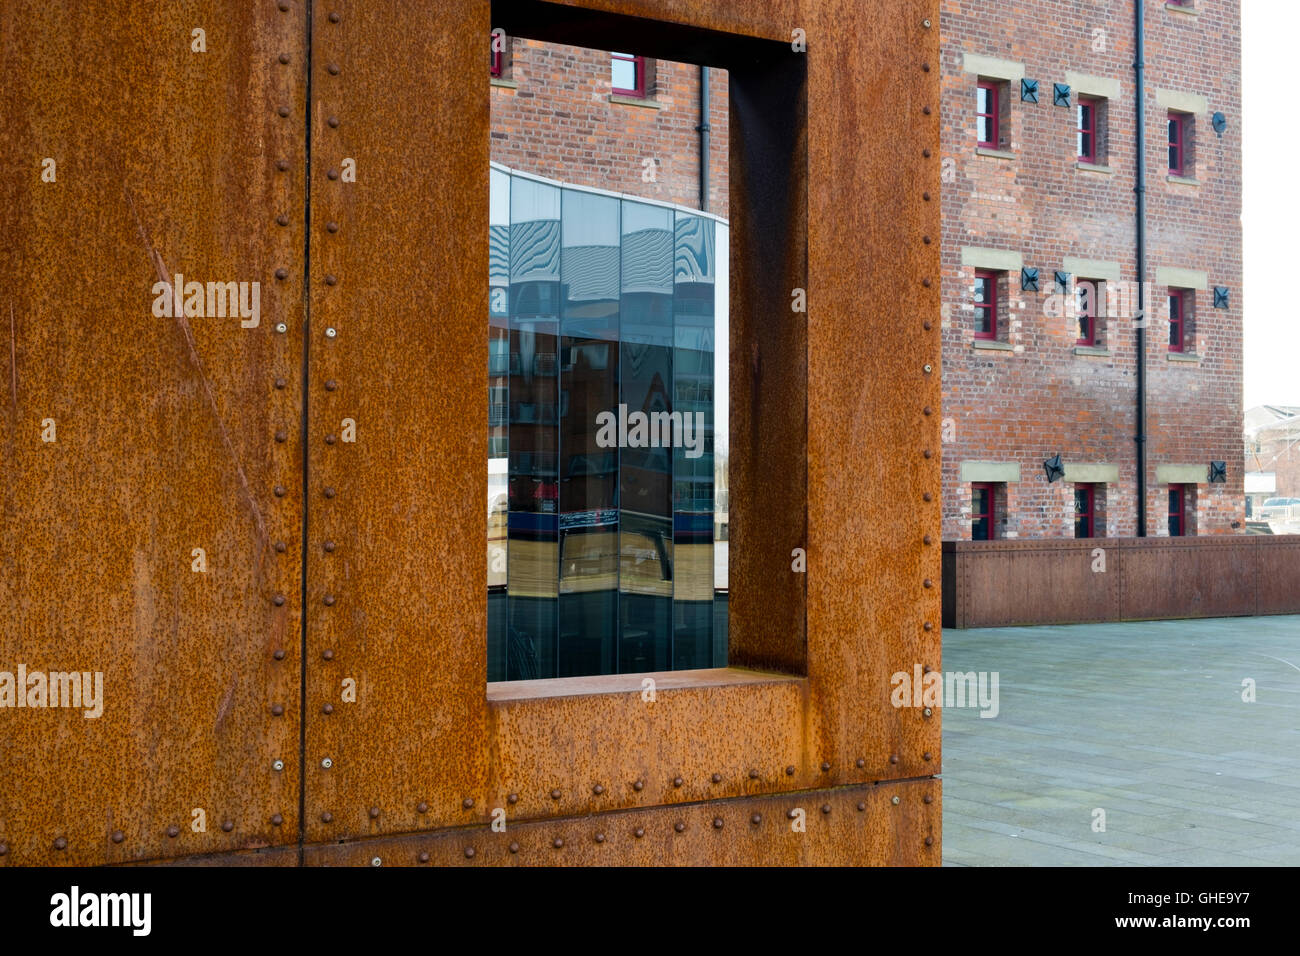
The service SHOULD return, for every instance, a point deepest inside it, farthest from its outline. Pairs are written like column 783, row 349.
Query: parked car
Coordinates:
column 1279, row 509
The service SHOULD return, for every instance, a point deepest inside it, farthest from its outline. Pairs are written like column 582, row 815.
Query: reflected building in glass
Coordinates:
column 601, row 550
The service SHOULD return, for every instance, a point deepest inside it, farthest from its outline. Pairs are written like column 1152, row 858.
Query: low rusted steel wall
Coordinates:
column 1071, row 581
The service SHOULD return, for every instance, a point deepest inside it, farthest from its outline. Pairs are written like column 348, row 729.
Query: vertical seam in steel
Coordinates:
column 306, row 354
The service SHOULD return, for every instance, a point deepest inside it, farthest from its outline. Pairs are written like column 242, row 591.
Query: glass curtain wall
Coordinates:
column 601, row 386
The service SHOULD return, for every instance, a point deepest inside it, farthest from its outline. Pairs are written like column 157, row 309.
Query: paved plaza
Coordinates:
column 1144, row 721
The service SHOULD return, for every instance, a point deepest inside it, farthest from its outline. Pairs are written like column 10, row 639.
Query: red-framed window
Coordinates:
column 1086, row 294
column 986, row 114
column 627, row 74
column 986, row 304
column 1177, row 143
column 1086, row 114
column 983, row 514
column 1177, row 320
column 1085, row 511
column 498, row 55
column 1177, row 511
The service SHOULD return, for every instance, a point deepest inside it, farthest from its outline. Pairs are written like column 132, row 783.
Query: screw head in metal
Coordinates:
column 790, row 814
column 928, row 712
column 329, row 600
column 716, row 778
column 826, row 808
column 895, row 801
column 927, row 756
column 468, row 803
column 327, row 817
column 927, row 582
column 638, row 785
column 825, row 767
column 327, row 763
column 677, row 781
column 283, row 111
column 281, row 327
column 598, row 790
column 600, row 838
column 926, row 110
column 753, row 774
column 929, row 841
column 925, row 67
column 928, row 626
column 333, row 69
column 422, row 807
column 469, row 853
column 61, row 843
column 118, row 836
column 332, row 332
column 639, row 832
column 277, row 710
column 281, row 382
column 374, row 813
column 424, row 857
column 173, row 831
column 276, row 820
column 334, row 18
column 227, row 825
column 926, row 23
column 926, row 282
column 282, row 165
column 557, row 843
column 329, row 492
column 514, row 848
column 928, row 369
column 282, row 220
column 756, row 819
column 329, row 439
column 893, row 758
column 327, row 709
column 331, row 226
column 280, row 547
column 927, row 799
column 327, row 655
column 861, row 806
column 278, row 654
column 333, row 174
column 278, row 765
column 927, row 454
column 376, row 861
column 330, row 385
column 789, row 771
column 281, row 435
column 927, row 326
column 284, row 58
column 329, row 547
column 679, row 826
column 278, row 600
column 717, row 823
column 555, row 794
column 282, row 274
column 512, row 799
column 331, row 280
column 333, row 122
column 925, row 153
column 927, row 539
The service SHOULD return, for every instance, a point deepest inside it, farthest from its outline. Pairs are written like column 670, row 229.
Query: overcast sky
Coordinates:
column 1270, row 202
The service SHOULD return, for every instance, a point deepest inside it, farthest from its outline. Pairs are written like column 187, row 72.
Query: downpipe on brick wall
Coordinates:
column 1140, row 191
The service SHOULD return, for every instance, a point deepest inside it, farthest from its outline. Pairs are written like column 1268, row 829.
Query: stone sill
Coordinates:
column 1175, row 8
column 994, row 153
column 1093, row 168
column 504, row 83
column 992, row 345
column 1190, row 357
column 1095, row 351
column 1183, row 180
column 646, row 102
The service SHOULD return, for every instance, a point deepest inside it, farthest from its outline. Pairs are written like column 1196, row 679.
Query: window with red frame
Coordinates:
column 1087, row 292
column 1085, row 511
column 1177, row 320
column 1087, row 130
column 1177, row 511
column 627, row 74
column 496, row 48
column 986, row 114
column 986, row 304
column 982, row 514
column 1177, row 143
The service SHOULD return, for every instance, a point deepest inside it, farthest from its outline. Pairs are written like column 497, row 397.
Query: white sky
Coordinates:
column 1270, row 202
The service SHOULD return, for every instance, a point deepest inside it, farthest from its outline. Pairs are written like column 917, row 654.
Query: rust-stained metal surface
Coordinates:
column 172, row 166
column 847, row 826
column 1060, row 581
column 164, row 428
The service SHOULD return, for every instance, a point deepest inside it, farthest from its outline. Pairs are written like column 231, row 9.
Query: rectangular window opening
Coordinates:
column 988, row 118
column 986, row 304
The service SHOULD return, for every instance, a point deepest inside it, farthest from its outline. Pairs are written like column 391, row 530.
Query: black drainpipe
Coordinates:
column 703, row 130
column 1140, row 188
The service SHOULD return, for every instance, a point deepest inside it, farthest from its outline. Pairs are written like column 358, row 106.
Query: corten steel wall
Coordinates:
column 169, row 438
column 1047, row 397
column 1001, row 583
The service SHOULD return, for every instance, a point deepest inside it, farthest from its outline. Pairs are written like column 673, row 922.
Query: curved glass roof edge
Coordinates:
column 631, row 197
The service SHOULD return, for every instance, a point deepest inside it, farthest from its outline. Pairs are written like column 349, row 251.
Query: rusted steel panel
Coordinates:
column 849, row 826
column 163, row 428
column 1188, row 577
column 843, row 434
column 1277, row 581
column 1035, row 582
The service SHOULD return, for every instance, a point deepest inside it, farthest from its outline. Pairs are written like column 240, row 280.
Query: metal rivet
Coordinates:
column 789, row 771
column 281, row 435
column 927, row 799
column 329, row 492
column 467, row 803
column 679, row 826
column 825, row 767
column 600, row 838
column 928, row 626
column 278, row 600
column 422, row 807
column 926, row 282
column 514, row 848
column 329, row 600
column 376, row 861
column 927, row 454
column 173, row 831
column 118, row 836
column 278, row 765
column 717, row 823
column 280, row 383
column 333, row 69
column 327, row 817
column 861, row 763
column 926, row 23
column 925, row 67
column 279, row 654
column 330, row 385
column 756, row 819
column 282, row 220
column 598, row 790
column 639, row 832
column 334, row 18
column 281, row 328
column 61, row 843
column 638, row 785
column 280, row 547
column 928, row 712
column 327, row 655
column 927, row 539
column 331, row 226
column 276, row 820
column 227, row 825
column 374, row 813
column 513, row 798
column 329, row 439
column 925, row 153
column 327, row 763
column 929, row 841
column 555, row 794
column 283, row 111
column 329, row 546
column 331, row 332
column 925, row 110
column 927, row 756
column 826, row 808
column 790, row 814
column 926, row 669
column 926, row 239
column 424, row 857
column 928, row 368
column 927, row 410
column 677, row 781
column 469, row 853
column 277, row 710
column 895, row 801
column 327, row 709
column 716, row 778
column 283, row 5
column 333, row 174
column 557, row 843
column 927, row 583
column 282, row 165
column 893, row 758
column 284, row 58
column 282, row 274
column 331, row 280
column 333, row 122
column 753, row 775
column 861, row 806
column 925, row 196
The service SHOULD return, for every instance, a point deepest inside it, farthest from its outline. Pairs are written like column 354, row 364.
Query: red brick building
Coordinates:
column 1039, row 172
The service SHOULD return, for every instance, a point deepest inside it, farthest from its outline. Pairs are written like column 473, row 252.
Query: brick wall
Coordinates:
column 1040, row 397
column 557, row 120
